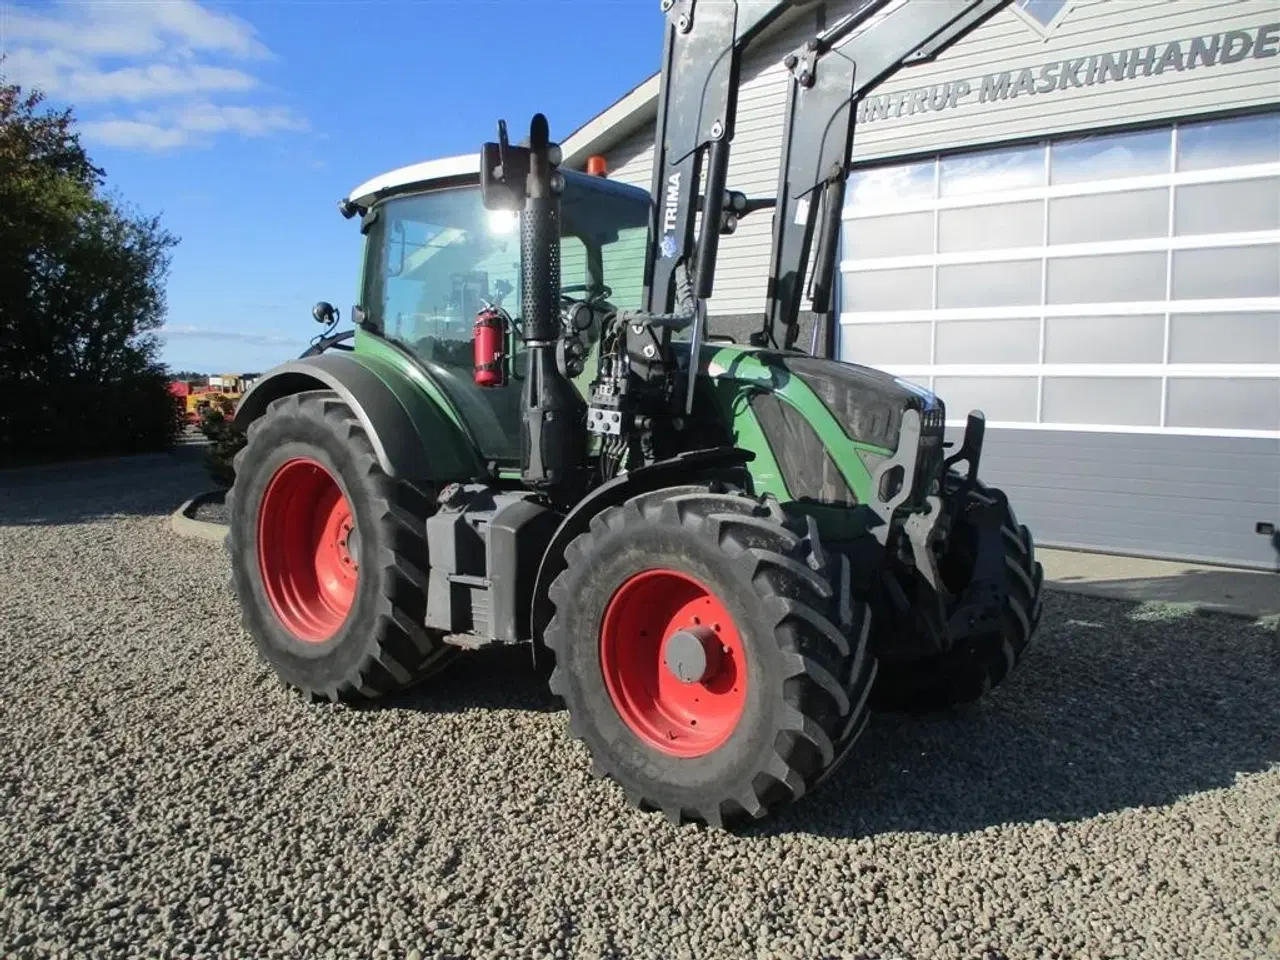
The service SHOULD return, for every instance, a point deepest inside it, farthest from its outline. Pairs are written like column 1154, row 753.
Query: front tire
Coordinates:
column 978, row 664
column 329, row 555
column 702, row 653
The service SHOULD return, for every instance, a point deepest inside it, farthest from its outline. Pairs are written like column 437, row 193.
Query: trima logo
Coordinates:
column 672, row 203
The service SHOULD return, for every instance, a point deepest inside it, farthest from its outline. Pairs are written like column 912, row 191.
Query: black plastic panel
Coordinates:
column 518, row 534
column 869, row 404
column 807, row 467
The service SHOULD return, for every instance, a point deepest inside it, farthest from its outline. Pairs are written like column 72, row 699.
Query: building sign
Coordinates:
column 1196, row 53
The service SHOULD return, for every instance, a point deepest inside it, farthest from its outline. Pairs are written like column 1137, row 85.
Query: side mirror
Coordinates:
column 504, row 170
column 324, row 313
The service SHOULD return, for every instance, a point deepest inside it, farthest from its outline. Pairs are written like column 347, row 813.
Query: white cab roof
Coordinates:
column 445, row 167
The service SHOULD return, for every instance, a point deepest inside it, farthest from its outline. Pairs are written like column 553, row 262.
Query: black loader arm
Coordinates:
column 829, row 75
column 703, row 46
column 697, row 106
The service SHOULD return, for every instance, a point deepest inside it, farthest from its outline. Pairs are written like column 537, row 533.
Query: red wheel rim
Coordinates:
column 308, row 551
column 678, row 718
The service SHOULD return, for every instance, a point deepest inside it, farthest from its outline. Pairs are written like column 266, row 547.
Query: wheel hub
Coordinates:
column 308, row 550
column 347, row 544
column 674, row 663
column 693, row 655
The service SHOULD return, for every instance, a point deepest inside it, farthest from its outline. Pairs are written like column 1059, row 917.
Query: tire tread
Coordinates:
column 975, row 666
column 396, row 651
column 828, row 676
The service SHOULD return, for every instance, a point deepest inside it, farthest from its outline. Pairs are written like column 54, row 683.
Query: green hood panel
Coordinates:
column 737, row 373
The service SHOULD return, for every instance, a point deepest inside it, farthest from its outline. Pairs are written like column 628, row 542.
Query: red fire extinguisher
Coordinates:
column 490, row 339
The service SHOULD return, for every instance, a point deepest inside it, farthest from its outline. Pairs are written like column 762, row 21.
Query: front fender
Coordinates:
column 412, row 437
column 687, row 467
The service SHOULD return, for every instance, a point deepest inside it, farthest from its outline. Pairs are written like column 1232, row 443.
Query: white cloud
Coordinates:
column 157, row 80
column 70, row 77
column 193, row 125
column 246, row 121
column 175, row 56
column 134, row 135
column 132, row 29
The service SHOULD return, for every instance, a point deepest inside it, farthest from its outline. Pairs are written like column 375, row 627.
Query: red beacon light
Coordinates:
column 597, row 166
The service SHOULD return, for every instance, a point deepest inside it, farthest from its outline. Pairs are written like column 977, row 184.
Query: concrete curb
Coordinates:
column 184, row 523
column 1165, row 585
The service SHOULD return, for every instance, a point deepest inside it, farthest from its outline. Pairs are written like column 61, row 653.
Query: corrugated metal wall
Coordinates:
column 1194, row 498
column 631, row 161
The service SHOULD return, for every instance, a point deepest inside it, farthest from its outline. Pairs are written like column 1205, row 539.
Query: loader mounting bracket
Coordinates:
column 970, row 452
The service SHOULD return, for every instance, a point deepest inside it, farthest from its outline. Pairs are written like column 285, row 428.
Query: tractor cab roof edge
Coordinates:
column 464, row 169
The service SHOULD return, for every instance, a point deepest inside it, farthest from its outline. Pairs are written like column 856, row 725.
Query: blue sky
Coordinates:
column 242, row 125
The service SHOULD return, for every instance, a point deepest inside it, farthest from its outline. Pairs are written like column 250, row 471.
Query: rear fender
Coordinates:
column 413, row 439
column 689, row 467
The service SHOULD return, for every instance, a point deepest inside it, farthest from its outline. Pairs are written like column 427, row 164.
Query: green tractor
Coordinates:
column 725, row 554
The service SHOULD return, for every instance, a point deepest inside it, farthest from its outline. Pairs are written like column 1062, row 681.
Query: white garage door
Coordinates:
column 1087, row 290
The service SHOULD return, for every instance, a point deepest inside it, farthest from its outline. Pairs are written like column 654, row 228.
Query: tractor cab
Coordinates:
column 435, row 258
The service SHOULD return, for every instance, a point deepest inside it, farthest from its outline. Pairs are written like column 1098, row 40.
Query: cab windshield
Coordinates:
column 433, row 260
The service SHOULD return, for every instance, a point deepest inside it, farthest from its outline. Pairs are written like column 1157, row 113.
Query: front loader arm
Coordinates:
column 703, row 48
column 697, row 106
column 828, row 78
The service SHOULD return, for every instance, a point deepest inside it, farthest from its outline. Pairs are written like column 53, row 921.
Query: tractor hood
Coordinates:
column 827, row 424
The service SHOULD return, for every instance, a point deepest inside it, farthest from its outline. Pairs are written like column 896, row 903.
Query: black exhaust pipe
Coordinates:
column 554, row 434
column 553, row 453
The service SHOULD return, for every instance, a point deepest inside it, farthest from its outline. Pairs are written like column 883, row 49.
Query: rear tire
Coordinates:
column 329, row 555
column 978, row 664
column 787, row 696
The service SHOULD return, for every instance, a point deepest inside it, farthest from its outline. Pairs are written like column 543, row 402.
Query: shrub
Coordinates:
column 225, row 441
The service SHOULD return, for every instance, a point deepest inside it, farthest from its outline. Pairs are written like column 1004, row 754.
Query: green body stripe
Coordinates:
column 371, row 345
column 766, row 475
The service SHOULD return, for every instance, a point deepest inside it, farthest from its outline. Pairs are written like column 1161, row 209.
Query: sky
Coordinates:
column 241, row 125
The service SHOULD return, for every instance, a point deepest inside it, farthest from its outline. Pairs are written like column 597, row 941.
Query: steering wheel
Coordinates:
column 601, row 292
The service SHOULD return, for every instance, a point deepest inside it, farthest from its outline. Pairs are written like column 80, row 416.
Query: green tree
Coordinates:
column 81, row 296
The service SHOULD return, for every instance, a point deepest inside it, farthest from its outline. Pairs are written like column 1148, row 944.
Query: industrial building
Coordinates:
column 1071, row 220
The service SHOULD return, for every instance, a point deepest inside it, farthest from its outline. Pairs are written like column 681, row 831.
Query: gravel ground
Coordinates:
column 161, row 795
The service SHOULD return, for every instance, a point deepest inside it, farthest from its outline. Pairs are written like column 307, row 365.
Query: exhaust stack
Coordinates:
column 553, row 434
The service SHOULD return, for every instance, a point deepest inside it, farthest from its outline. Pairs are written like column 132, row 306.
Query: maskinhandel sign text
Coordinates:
column 1228, row 47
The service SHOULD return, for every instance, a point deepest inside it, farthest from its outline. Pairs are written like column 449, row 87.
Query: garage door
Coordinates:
column 1112, row 303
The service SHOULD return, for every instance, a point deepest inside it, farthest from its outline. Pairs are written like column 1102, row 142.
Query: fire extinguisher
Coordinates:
column 490, row 340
